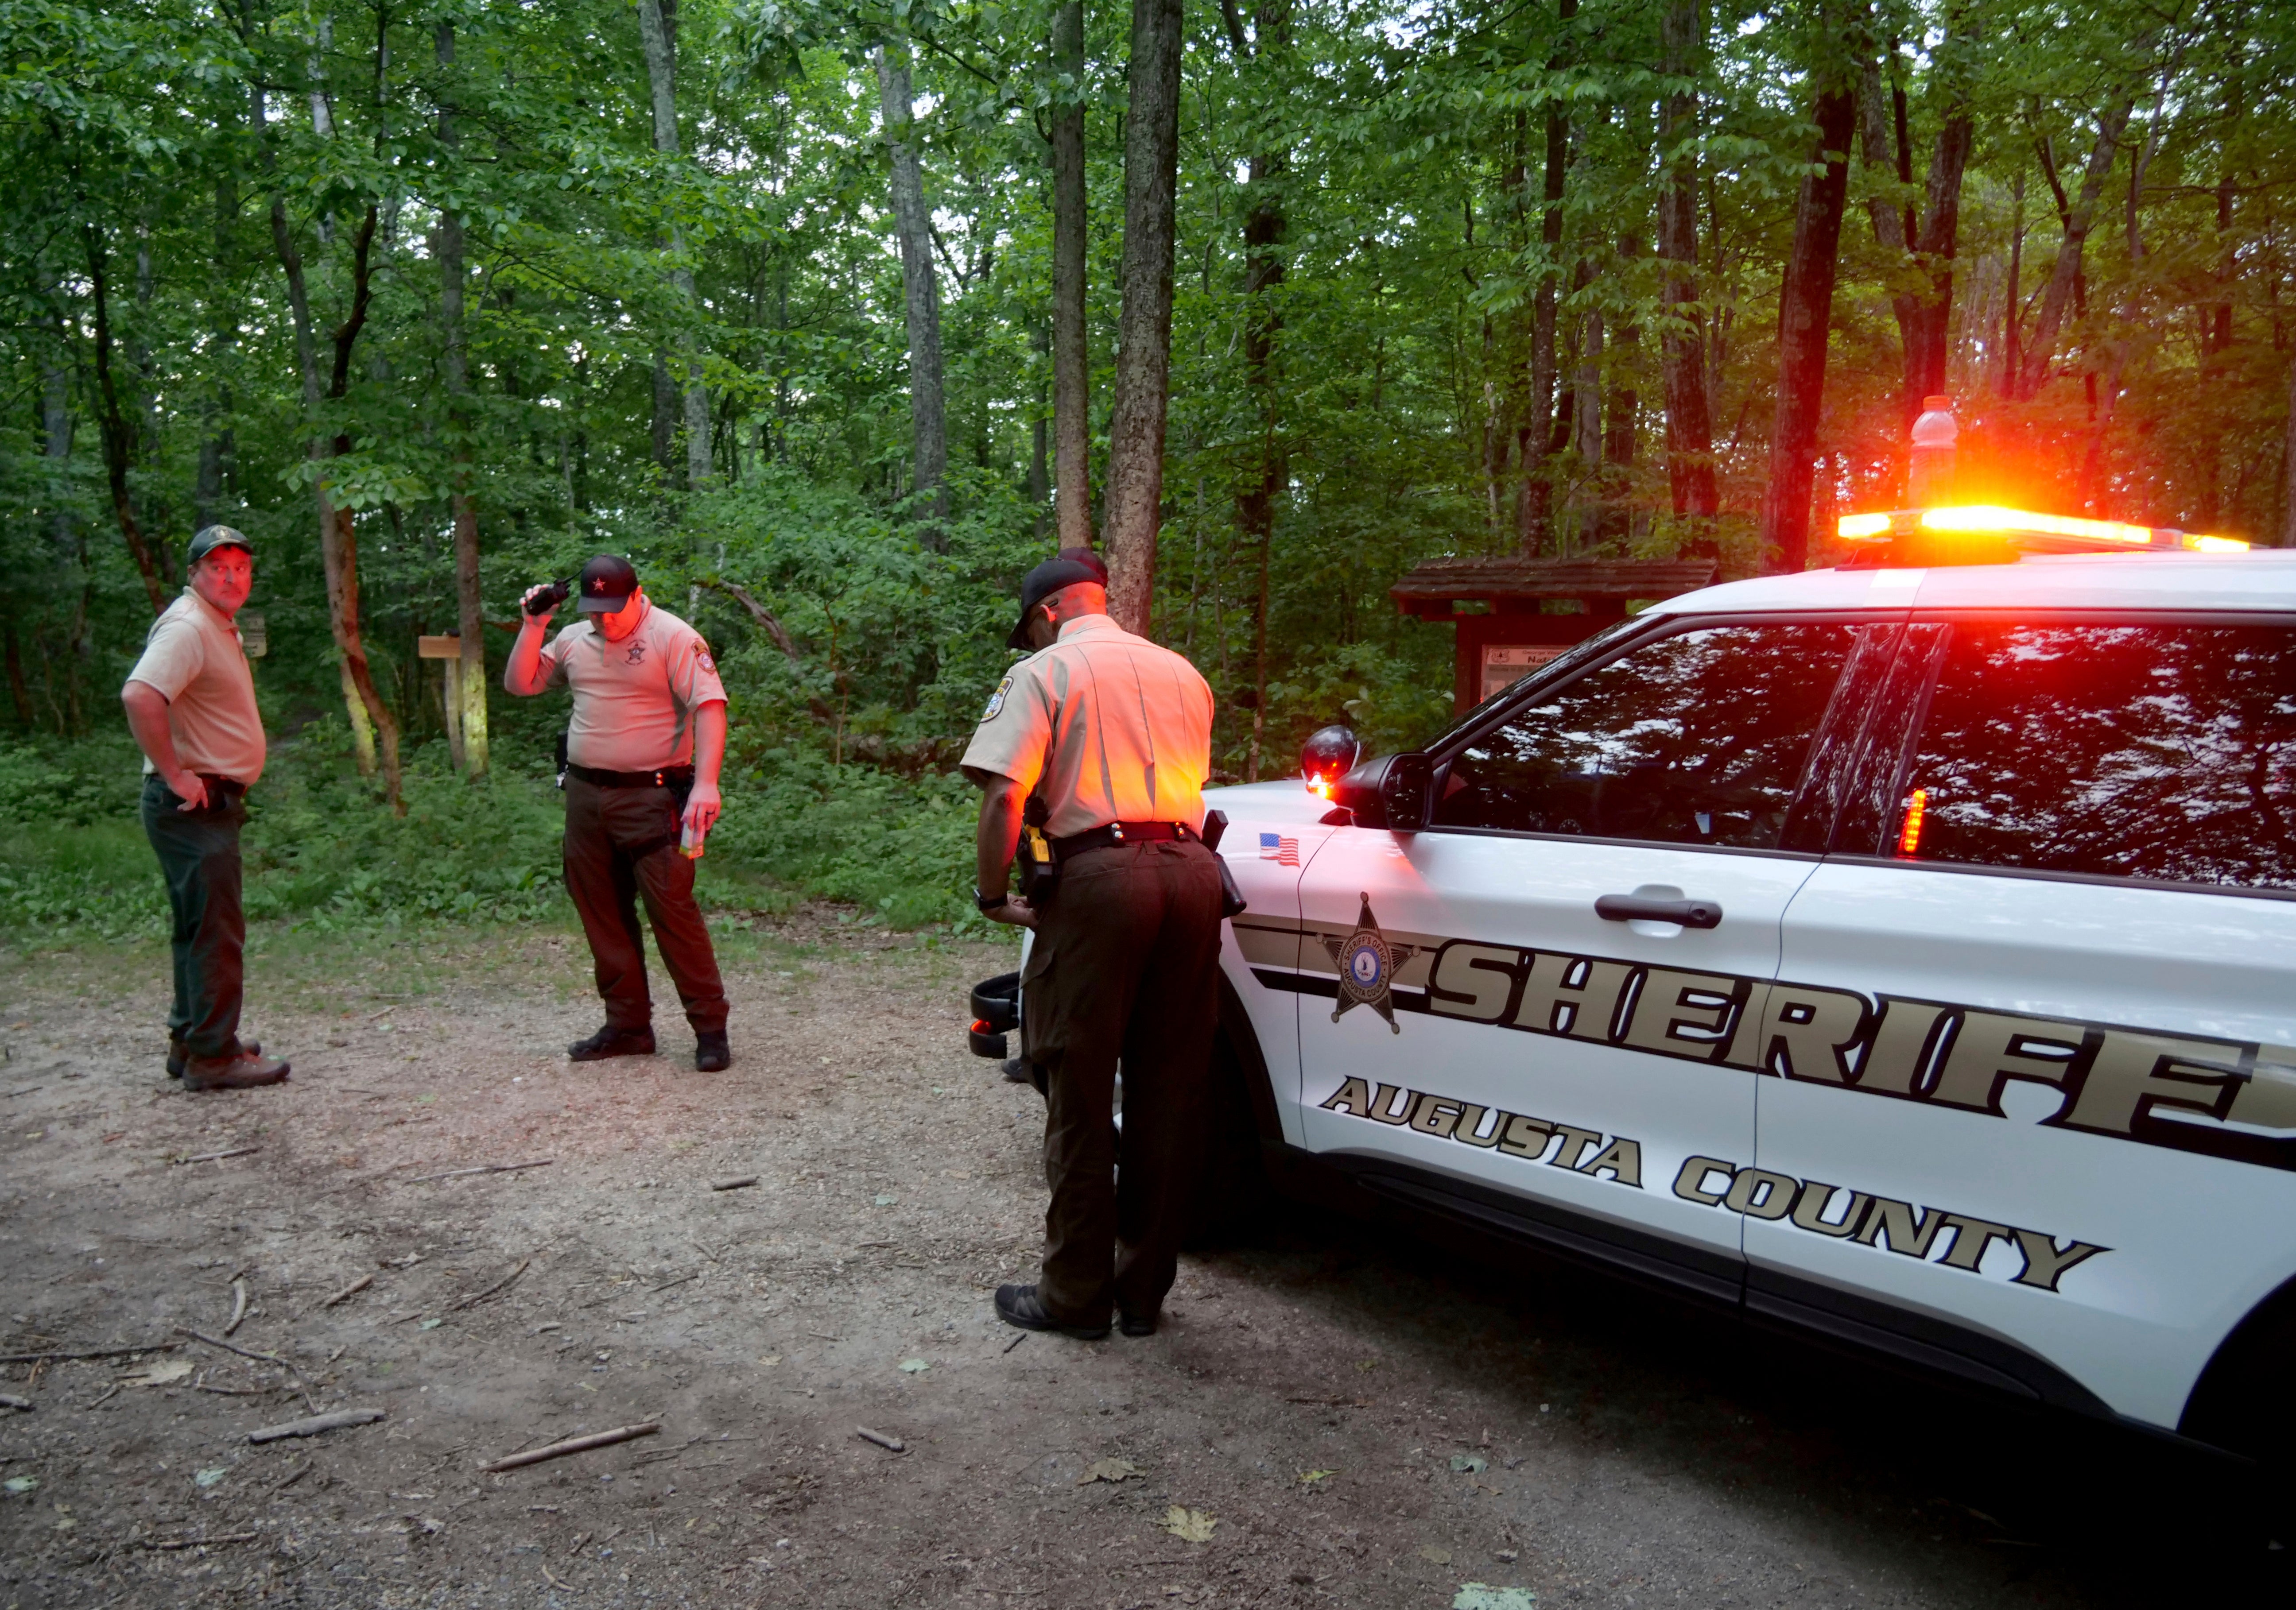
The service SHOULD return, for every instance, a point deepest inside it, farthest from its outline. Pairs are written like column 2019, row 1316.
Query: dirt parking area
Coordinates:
column 1334, row 1414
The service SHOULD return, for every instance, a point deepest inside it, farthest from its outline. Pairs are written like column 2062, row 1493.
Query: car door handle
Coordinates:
column 1637, row 908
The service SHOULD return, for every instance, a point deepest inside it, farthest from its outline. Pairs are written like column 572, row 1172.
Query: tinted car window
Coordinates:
column 1698, row 738
column 2137, row 751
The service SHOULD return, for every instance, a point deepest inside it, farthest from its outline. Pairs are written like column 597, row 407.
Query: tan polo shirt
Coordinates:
column 194, row 656
column 1115, row 729
column 634, row 701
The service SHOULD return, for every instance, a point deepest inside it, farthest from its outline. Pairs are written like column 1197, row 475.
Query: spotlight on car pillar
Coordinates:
column 1329, row 754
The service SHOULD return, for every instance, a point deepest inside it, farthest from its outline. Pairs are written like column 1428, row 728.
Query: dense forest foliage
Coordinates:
column 812, row 307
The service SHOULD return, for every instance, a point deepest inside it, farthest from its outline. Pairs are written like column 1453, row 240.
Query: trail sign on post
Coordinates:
column 448, row 651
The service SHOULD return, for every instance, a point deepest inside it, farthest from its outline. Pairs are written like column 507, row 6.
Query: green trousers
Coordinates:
column 1125, row 969
column 199, row 856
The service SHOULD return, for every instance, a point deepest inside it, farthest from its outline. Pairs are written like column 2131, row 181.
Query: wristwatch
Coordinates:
column 989, row 902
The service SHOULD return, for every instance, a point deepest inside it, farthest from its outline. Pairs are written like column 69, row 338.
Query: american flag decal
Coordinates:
column 1282, row 851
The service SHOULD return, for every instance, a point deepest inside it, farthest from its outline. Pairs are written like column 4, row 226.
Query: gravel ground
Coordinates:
column 1334, row 1414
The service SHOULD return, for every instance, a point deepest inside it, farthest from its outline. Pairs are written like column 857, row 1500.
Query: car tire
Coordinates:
column 2246, row 1399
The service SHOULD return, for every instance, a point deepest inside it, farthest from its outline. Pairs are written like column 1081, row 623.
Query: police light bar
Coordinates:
column 2027, row 532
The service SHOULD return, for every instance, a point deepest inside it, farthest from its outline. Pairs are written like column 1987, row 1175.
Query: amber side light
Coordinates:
column 1910, row 837
column 981, row 1025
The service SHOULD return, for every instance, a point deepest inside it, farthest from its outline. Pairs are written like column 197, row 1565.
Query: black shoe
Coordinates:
column 1135, row 1324
column 1020, row 1305
column 612, row 1041
column 178, row 1055
column 711, row 1054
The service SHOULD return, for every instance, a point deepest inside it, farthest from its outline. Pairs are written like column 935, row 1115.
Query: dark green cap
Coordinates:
column 211, row 537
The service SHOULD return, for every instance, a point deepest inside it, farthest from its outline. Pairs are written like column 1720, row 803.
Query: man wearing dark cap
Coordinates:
column 191, row 704
column 1113, row 734
column 647, row 737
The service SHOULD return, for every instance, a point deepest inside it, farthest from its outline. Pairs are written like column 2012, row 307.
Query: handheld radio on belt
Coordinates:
column 1039, row 868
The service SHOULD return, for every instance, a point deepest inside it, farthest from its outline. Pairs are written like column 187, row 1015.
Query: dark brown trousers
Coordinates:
column 621, row 843
column 1125, row 969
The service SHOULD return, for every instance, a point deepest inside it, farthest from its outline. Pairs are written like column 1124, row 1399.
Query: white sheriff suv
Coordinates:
column 1903, row 954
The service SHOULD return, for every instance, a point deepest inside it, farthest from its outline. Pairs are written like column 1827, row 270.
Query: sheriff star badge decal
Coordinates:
column 1367, row 964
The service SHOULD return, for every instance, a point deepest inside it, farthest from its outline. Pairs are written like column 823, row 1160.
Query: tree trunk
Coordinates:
column 2041, row 341
column 919, row 297
column 118, row 440
column 1534, row 500
column 1925, row 351
column 1071, row 366
column 339, row 530
column 470, row 609
column 1614, row 523
column 1144, row 354
column 658, row 31
column 1587, row 421
column 338, row 536
column 1263, row 221
column 1689, row 424
column 2287, row 537
column 1805, row 314
column 216, row 440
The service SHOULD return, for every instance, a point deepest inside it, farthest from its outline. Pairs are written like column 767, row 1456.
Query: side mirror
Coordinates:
column 1390, row 792
column 1330, row 753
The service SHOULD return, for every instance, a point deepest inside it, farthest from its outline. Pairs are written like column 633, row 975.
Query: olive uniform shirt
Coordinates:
column 634, row 701
column 194, row 656
column 1109, row 727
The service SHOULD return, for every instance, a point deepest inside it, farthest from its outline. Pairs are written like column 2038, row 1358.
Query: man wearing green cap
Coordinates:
column 191, row 704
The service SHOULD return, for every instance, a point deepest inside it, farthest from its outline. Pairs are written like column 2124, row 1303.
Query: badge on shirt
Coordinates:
column 702, row 656
column 997, row 700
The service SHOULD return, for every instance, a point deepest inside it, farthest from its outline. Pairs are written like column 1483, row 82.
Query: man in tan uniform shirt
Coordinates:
column 644, row 749
column 1113, row 734
column 190, row 703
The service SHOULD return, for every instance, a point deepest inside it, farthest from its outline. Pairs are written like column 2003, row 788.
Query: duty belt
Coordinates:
column 666, row 777
column 1119, row 832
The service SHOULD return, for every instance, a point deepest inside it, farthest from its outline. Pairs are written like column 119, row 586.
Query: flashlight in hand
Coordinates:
column 549, row 598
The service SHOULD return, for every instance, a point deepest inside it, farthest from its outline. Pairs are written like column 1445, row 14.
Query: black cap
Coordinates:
column 607, row 584
column 1089, row 557
column 1046, row 579
column 211, row 537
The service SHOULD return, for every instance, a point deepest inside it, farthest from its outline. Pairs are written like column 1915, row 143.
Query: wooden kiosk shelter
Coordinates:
column 1515, row 636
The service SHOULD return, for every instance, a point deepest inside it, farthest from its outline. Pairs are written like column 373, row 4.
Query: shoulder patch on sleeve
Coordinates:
column 997, row 700
column 701, row 654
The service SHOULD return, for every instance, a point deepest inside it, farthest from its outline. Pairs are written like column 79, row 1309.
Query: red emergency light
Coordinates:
column 1971, row 533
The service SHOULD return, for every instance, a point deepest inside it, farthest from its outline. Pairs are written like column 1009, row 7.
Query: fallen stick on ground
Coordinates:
column 317, row 1423
column 238, row 1392
column 294, row 1475
column 580, row 1444
column 745, row 1179
column 236, row 1152
column 892, row 1444
column 497, row 1286
column 201, row 1542
column 351, row 1290
column 489, row 1168
column 27, row 1091
column 99, row 1352
column 681, row 1281
column 261, row 1358
column 1016, row 1341
column 238, row 1306
column 9, row 1400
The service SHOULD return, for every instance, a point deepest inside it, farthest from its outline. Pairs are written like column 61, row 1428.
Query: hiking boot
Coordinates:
column 178, row 1055
column 612, row 1041
column 1020, row 1305
column 243, row 1072
column 1135, row 1324
column 711, row 1054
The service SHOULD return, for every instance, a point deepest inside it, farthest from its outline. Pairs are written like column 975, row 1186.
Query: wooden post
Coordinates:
column 447, row 651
